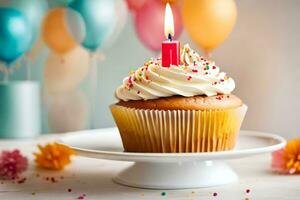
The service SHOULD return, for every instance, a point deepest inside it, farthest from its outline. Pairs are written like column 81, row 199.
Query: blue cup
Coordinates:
column 20, row 109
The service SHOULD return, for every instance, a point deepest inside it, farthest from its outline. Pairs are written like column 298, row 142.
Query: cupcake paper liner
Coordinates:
column 178, row 131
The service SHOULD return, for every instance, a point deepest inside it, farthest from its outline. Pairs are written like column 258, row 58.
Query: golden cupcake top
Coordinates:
column 194, row 76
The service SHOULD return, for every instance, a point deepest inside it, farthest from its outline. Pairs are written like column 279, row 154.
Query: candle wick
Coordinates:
column 170, row 37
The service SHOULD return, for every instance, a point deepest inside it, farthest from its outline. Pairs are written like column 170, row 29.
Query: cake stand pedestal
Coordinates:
column 170, row 170
column 176, row 175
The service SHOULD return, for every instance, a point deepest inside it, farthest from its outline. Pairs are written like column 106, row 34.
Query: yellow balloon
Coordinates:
column 209, row 22
column 55, row 31
column 64, row 74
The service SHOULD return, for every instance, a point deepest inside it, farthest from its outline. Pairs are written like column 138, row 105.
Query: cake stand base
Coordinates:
column 176, row 175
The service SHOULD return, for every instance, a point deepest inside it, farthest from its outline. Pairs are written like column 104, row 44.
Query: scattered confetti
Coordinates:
column 21, row 181
column 53, row 156
column 163, row 194
column 81, row 196
column 53, row 180
column 12, row 164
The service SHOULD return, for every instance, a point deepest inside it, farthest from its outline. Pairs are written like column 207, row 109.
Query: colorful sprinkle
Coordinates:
column 214, row 67
column 189, row 78
column 22, row 180
column 207, row 67
column 53, row 180
column 195, row 70
column 248, row 191
column 215, row 194
column 33, row 193
column 163, row 194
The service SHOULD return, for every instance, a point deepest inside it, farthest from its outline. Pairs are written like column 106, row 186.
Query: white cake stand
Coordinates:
column 170, row 170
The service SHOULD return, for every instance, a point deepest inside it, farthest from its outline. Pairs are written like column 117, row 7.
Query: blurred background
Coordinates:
column 78, row 81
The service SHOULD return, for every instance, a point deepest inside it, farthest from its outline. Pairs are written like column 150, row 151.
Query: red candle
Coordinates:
column 170, row 49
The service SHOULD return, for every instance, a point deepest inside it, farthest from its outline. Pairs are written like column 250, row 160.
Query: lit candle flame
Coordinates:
column 169, row 22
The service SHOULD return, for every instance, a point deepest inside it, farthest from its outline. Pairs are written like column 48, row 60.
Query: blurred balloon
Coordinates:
column 209, row 22
column 149, row 24
column 75, row 25
column 15, row 35
column 56, row 31
column 63, row 75
column 68, row 112
column 99, row 18
column 121, row 19
column 34, row 10
column 59, row 3
column 134, row 5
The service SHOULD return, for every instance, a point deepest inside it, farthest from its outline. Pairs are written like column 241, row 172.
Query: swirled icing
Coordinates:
column 194, row 76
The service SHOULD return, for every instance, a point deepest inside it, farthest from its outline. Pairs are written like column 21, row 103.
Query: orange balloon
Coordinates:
column 209, row 22
column 55, row 32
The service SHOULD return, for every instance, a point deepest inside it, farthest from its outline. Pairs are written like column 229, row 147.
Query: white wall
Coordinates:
column 262, row 55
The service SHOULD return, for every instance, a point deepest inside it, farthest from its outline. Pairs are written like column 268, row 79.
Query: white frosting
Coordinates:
column 194, row 76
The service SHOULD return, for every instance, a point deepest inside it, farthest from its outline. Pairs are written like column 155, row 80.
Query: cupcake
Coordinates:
column 177, row 109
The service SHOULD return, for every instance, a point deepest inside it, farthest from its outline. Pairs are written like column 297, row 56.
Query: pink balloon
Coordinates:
column 149, row 24
column 134, row 5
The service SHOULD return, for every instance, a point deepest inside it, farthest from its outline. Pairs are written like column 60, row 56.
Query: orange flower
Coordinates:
column 53, row 156
column 287, row 160
column 291, row 156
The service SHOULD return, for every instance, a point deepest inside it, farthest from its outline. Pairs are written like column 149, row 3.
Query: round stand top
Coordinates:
column 106, row 144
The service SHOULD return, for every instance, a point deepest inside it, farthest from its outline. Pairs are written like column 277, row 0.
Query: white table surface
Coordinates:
column 93, row 178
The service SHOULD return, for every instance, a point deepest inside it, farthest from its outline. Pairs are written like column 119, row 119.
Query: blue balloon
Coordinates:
column 15, row 34
column 99, row 17
column 58, row 3
column 34, row 10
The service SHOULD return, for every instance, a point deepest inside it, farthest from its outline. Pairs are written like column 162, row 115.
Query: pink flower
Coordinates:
column 278, row 164
column 12, row 164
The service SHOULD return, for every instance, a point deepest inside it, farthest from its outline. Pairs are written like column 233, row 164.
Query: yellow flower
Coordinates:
column 53, row 156
column 291, row 156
